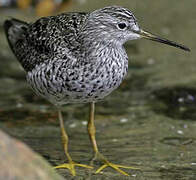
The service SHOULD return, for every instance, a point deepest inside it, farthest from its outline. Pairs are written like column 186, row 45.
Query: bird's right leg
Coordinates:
column 71, row 164
column 98, row 155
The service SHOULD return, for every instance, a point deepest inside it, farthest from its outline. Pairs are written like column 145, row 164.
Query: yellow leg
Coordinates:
column 71, row 164
column 98, row 155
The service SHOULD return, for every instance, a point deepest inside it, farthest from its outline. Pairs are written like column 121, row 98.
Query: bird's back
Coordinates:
column 48, row 37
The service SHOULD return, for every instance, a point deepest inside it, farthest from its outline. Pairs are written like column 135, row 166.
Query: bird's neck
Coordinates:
column 100, row 52
column 95, row 46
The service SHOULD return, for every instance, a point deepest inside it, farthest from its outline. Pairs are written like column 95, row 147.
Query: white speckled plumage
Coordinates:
column 74, row 57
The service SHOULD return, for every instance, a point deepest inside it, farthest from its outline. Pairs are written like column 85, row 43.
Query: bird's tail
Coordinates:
column 14, row 30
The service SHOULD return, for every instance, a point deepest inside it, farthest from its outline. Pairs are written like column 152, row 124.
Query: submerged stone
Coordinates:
column 176, row 102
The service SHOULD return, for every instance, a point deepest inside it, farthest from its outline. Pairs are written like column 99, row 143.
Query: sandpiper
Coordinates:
column 77, row 58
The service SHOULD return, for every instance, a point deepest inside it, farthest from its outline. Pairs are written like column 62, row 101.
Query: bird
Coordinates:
column 77, row 57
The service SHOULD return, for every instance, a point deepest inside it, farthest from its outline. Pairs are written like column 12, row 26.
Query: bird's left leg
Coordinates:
column 98, row 155
column 71, row 164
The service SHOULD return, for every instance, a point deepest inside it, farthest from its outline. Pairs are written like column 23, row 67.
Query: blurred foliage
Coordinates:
column 42, row 7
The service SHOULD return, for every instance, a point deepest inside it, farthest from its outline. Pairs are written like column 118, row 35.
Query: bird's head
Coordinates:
column 117, row 25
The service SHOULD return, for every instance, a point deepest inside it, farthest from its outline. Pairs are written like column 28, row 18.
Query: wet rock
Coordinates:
column 17, row 161
column 176, row 102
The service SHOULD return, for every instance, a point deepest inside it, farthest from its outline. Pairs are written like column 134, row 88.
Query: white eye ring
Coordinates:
column 122, row 26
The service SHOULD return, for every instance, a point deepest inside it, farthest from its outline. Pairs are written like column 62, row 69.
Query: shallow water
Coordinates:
column 149, row 122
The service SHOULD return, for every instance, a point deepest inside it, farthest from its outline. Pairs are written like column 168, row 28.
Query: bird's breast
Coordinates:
column 89, row 82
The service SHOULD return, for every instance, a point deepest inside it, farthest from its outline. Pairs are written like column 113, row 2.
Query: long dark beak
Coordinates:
column 153, row 37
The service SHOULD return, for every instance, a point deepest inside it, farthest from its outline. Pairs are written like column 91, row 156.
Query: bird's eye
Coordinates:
column 122, row 26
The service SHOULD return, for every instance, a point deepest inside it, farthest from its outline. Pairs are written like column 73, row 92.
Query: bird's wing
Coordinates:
column 55, row 32
column 47, row 38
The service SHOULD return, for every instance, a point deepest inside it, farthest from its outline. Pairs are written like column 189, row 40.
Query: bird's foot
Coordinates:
column 71, row 166
column 117, row 167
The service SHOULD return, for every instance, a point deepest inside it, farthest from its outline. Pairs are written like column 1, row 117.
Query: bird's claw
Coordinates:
column 71, row 166
column 116, row 167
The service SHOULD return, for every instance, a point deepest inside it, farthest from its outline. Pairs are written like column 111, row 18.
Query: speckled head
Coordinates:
column 117, row 25
column 114, row 24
